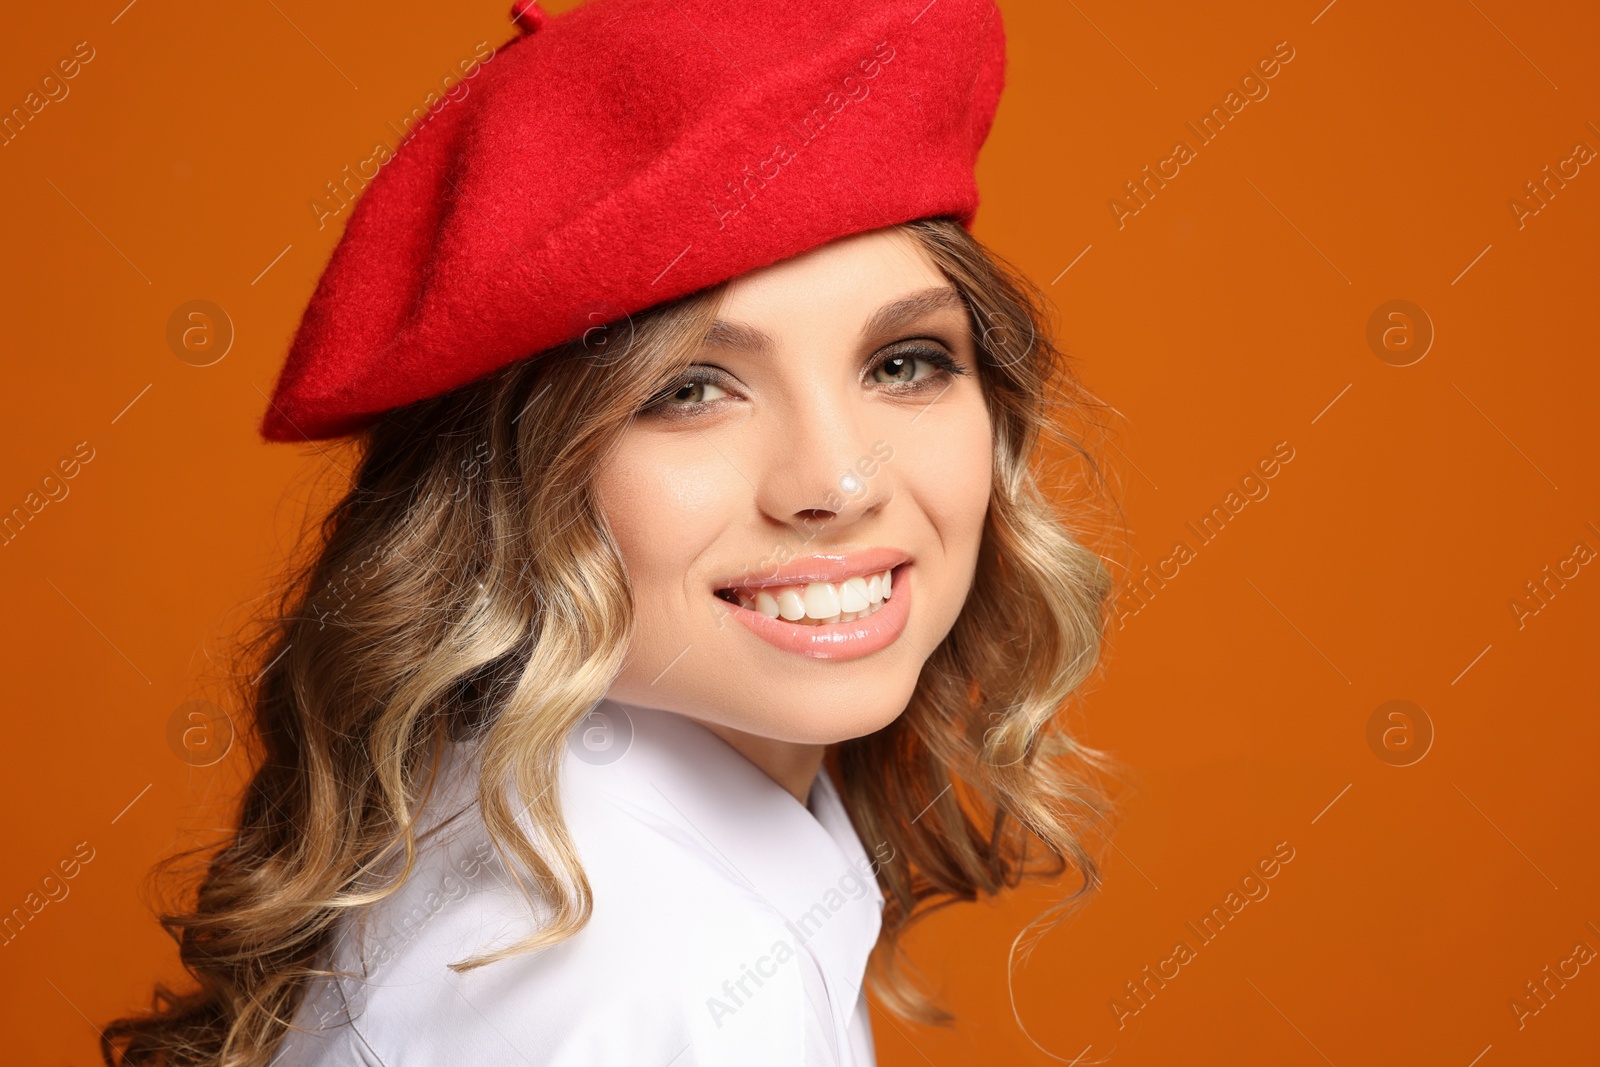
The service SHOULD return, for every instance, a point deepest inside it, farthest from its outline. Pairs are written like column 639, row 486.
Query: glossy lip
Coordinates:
column 827, row 567
column 836, row 640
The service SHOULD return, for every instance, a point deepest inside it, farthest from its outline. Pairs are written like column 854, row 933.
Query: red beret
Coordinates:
column 628, row 153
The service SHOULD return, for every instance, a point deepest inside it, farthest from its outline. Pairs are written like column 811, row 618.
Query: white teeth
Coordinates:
column 853, row 596
column 790, row 606
column 822, row 600
column 817, row 603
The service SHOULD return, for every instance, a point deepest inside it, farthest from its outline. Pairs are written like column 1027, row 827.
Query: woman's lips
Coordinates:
column 836, row 640
column 824, row 567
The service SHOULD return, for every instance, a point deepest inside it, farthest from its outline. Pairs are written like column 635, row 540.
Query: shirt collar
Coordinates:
column 804, row 860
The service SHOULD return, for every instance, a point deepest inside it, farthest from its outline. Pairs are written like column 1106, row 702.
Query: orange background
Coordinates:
column 1226, row 316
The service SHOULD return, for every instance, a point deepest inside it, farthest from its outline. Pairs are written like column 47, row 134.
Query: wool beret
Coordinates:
column 624, row 154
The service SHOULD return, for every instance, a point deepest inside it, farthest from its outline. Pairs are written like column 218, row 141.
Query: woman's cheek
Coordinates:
column 949, row 471
column 952, row 465
column 664, row 511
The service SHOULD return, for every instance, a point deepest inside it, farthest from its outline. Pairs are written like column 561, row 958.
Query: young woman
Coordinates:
column 672, row 671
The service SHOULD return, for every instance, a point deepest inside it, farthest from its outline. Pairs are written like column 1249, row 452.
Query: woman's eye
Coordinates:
column 901, row 368
column 697, row 393
column 689, row 394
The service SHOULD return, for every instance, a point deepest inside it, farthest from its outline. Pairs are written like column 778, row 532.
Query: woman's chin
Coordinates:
column 813, row 720
column 820, row 707
column 819, row 721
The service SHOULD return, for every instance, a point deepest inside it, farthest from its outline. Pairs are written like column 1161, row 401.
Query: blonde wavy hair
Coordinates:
column 480, row 595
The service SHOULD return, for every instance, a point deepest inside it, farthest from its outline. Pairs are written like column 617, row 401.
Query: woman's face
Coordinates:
column 832, row 429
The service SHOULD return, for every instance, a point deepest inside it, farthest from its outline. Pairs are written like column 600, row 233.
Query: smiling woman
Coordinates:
column 693, row 659
column 809, row 363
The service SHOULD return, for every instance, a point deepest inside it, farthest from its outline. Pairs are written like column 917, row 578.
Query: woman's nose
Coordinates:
column 824, row 466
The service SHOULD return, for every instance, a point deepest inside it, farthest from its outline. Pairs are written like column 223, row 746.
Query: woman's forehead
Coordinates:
column 848, row 279
column 897, row 313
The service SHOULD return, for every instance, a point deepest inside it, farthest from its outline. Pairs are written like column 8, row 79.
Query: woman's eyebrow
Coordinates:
column 738, row 336
column 903, row 312
column 888, row 318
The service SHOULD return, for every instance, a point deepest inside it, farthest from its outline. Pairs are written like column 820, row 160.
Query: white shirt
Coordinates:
column 731, row 925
